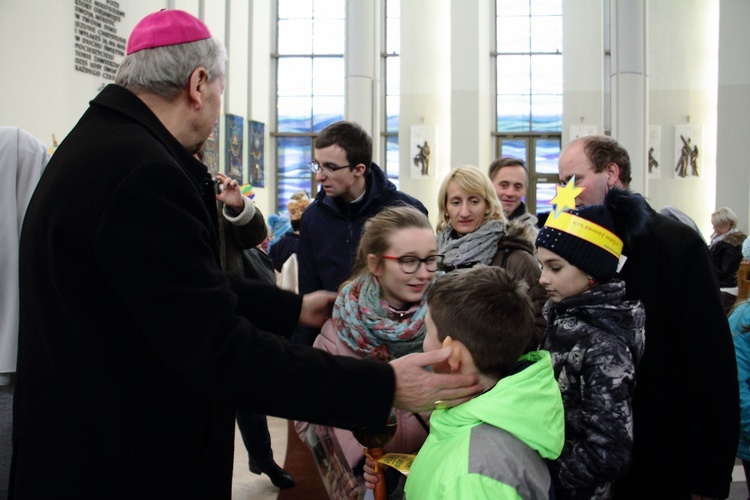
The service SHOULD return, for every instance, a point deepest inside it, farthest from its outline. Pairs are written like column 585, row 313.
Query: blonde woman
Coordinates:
column 473, row 230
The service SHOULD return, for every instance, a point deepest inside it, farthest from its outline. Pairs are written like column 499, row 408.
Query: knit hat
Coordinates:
column 297, row 204
column 279, row 226
column 166, row 27
column 590, row 237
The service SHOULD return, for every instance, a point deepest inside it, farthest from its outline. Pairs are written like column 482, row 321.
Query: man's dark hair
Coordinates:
column 507, row 161
column 602, row 150
column 350, row 137
column 488, row 310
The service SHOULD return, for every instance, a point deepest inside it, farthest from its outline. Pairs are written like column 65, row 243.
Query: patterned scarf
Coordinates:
column 362, row 322
column 479, row 246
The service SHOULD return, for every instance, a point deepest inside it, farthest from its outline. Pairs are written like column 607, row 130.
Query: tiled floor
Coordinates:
column 248, row 486
column 738, row 490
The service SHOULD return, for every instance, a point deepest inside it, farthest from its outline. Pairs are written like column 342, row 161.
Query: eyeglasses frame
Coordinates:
column 421, row 261
column 320, row 167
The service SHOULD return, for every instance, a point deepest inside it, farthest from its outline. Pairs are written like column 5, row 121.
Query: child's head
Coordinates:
column 577, row 249
column 398, row 248
column 487, row 310
column 581, row 247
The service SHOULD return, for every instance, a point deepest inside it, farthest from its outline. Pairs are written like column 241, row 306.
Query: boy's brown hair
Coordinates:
column 488, row 310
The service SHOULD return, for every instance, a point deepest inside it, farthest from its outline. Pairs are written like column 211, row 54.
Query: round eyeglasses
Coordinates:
column 410, row 263
column 316, row 167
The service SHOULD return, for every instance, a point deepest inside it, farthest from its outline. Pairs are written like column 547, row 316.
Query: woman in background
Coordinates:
column 472, row 229
column 726, row 253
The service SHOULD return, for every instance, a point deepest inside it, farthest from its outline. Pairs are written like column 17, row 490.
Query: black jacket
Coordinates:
column 686, row 404
column 330, row 231
column 135, row 348
column 726, row 256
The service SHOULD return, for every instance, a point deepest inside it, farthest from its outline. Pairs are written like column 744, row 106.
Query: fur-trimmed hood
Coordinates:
column 517, row 236
column 735, row 239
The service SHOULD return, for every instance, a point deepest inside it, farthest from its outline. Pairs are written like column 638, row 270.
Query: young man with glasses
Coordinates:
column 352, row 189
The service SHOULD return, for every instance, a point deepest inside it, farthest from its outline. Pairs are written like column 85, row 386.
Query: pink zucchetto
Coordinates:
column 166, row 27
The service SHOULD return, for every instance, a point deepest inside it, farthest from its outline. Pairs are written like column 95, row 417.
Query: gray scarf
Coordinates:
column 479, row 246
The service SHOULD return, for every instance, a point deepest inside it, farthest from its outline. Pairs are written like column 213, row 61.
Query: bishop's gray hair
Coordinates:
column 165, row 71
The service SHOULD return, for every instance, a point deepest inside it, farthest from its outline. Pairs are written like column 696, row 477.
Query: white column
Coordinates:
column 732, row 174
column 630, row 85
column 362, row 66
column 471, row 97
column 425, row 92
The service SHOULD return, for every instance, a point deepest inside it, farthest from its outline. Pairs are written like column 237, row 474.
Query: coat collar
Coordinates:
column 120, row 100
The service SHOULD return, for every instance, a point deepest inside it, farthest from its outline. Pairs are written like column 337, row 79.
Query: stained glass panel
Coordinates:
column 513, row 113
column 393, row 105
column 514, row 148
column 294, row 114
column 327, row 110
column 392, row 159
column 547, row 154
column 544, row 193
column 546, row 113
column 293, row 171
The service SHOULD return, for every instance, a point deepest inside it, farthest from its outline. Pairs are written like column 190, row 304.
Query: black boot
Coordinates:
column 278, row 476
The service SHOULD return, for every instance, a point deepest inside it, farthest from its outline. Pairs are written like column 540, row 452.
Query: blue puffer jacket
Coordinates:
column 330, row 232
column 739, row 320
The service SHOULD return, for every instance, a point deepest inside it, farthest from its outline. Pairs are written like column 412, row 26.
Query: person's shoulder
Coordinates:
column 668, row 233
column 315, row 210
column 328, row 340
column 735, row 239
column 401, row 197
column 518, row 235
column 741, row 310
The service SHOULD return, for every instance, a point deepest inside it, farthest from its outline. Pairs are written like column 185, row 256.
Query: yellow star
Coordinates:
column 565, row 197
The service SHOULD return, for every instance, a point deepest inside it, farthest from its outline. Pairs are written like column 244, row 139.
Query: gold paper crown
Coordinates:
column 583, row 228
column 587, row 231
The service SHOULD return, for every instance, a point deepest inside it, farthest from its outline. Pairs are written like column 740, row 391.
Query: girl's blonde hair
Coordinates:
column 471, row 180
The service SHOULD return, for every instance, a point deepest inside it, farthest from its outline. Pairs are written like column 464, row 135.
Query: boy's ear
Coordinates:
column 454, row 360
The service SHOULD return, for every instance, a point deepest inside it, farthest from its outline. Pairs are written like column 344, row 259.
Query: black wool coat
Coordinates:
column 686, row 403
column 135, row 348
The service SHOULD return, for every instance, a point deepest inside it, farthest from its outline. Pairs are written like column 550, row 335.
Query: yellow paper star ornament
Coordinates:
column 565, row 196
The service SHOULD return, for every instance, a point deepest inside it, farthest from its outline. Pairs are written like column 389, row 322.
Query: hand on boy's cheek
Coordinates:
column 443, row 367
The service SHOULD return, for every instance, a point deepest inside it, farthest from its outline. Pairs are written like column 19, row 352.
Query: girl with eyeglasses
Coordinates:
column 379, row 313
column 472, row 229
